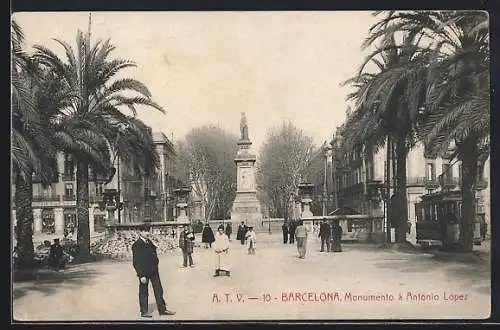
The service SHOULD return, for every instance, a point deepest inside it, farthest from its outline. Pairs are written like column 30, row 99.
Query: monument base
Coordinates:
column 246, row 207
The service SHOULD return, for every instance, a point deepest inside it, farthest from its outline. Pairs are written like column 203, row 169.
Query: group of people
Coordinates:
column 330, row 235
column 145, row 259
column 207, row 235
column 53, row 255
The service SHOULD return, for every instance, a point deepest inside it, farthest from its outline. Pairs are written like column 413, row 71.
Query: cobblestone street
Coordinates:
column 321, row 286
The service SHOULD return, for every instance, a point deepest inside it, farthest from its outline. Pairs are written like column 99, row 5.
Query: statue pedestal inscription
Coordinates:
column 246, row 206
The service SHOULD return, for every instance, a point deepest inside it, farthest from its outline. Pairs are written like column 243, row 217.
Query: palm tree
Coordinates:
column 457, row 102
column 32, row 152
column 387, row 105
column 87, row 119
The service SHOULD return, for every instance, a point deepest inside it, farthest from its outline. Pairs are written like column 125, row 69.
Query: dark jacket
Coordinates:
column 285, row 228
column 337, row 232
column 185, row 243
column 207, row 236
column 145, row 259
column 324, row 230
column 242, row 230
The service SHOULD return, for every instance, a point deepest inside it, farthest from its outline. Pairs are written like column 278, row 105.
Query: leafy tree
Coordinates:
column 206, row 161
column 283, row 161
column 86, row 116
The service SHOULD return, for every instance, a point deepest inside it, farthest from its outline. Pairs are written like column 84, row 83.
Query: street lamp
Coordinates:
column 327, row 150
column 122, row 128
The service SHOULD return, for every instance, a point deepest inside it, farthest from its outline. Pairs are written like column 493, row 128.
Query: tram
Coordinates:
column 438, row 220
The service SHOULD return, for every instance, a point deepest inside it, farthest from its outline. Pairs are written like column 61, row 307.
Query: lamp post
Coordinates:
column 122, row 128
column 327, row 150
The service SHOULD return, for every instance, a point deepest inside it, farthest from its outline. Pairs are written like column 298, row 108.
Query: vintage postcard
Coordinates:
column 282, row 165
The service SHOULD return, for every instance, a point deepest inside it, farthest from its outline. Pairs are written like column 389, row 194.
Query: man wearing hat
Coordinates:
column 55, row 254
column 145, row 261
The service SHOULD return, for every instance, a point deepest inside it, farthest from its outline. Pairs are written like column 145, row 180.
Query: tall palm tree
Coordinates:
column 88, row 119
column 32, row 152
column 388, row 104
column 457, row 100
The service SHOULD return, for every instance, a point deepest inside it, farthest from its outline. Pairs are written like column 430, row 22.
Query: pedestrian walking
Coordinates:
column 291, row 232
column 207, row 236
column 145, row 262
column 324, row 234
column 186, row 243
column 242, row 230
column 301, row 236
column 337, row 237
column 250, row 238
column 284, row 228
column 221, row 247
column 229, row 230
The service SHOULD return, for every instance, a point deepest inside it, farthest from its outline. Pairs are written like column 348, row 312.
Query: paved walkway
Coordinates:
column 322, row 286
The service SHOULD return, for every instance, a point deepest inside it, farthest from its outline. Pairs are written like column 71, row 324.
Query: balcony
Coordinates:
column 68, row 177
column 69, row 198
column 450, row 182
column 431, row 184
column 46, row 198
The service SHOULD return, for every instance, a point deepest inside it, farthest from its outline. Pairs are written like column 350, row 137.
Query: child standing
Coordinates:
column 250, row 238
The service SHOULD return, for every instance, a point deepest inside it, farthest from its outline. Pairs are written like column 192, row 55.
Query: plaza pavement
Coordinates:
column 108, row 290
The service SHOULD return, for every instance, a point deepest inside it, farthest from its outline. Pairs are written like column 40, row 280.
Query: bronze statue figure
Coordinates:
column 244, row 127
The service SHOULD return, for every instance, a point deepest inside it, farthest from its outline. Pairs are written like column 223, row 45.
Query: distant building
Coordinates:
column 144, row 199
column 358, row 179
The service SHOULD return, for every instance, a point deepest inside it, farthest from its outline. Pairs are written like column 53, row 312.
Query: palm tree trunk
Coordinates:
column 24, row 216
column 82, row 206
column 401, row 195
column 469, row 174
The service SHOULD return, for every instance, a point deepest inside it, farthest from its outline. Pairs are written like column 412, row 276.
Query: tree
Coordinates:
column 452, row 69
column 87, row 118
column 387, row 106
column 283, row 160
column 206, row 161
column 32, row 151
column 457, row 105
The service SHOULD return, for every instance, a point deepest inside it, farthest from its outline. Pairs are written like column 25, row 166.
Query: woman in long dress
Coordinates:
column 207, row 236
column 221, row 247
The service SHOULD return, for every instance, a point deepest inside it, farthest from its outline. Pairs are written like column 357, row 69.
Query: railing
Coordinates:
column 46, row 198
column 69, row 198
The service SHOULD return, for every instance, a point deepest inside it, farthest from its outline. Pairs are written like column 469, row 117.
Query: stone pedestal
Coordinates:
column 305, row 191
column 246, row 206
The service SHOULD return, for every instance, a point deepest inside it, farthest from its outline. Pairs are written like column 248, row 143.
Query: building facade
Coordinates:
column 144, row 199
column 358, row 179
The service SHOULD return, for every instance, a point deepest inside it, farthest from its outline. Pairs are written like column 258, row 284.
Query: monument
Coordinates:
column 246, row 206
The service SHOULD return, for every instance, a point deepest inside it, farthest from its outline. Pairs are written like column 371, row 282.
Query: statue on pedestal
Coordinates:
column 244, row 127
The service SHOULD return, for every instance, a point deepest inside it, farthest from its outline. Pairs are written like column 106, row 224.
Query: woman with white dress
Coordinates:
column 221, row 247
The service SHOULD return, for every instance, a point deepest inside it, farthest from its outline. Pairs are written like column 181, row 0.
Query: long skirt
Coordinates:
column 336, row 245
column 301, row 246
column 220, row 261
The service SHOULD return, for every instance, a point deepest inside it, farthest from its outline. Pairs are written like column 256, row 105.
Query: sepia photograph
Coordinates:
column 179, row 166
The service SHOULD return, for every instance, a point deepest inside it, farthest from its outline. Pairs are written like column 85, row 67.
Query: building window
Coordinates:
column 446, row 170
column 68, row 189
column 460, row 173
column 98, row 189
column 69, row 165
column 430, row 172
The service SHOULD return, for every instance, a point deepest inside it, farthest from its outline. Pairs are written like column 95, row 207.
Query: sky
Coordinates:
column 207, row 67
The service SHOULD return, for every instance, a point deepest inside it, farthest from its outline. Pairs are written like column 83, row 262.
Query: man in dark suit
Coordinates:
column 285, row 232
column 145, row 261
column 56, row 255
column 324, row 234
